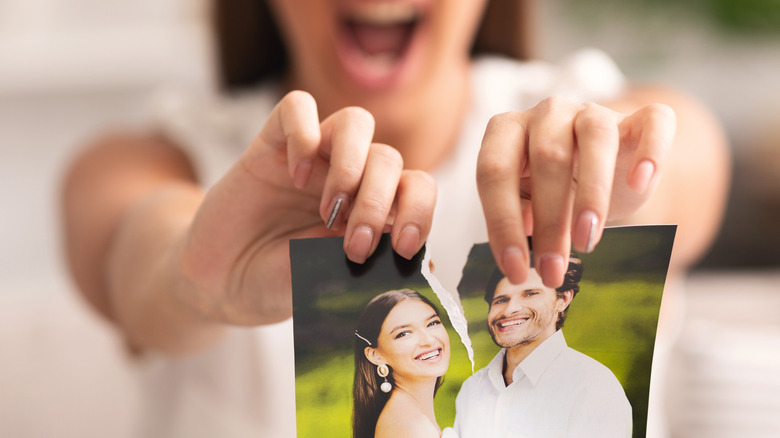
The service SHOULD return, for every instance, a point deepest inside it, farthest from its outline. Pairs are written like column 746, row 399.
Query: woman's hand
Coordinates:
column 288, row 184
column 559, row 172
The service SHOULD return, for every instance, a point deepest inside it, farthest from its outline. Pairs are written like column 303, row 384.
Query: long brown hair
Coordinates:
column 367, row 399
column 250, row 47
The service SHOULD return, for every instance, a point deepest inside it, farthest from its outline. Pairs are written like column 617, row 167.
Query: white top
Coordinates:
column 449, row 433
column 555, row 392
column 245, row 385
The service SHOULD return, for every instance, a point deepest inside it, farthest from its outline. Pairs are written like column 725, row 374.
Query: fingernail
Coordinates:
column 514, row 262
column 643, row 174
column 302, row 172
column 360, row 244
column 585, row 230
column 551, row 269
column 408, row 242
column 337, row 209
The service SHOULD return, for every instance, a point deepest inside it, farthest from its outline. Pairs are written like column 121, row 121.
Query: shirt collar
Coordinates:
column 533, row 366
column 536, row 363
column 495, row 370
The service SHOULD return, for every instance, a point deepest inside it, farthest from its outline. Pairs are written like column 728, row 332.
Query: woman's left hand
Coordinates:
column 559, row 171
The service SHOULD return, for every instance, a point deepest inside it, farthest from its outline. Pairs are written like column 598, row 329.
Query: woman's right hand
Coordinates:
column 234, row 258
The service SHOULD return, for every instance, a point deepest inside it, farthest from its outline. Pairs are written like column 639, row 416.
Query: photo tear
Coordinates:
column 361, row 329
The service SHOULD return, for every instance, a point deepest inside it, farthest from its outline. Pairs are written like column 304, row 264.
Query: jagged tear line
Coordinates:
column 454, row 311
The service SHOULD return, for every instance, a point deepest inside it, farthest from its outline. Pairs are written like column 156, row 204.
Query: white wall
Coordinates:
column 84, row 45
column 69, row 69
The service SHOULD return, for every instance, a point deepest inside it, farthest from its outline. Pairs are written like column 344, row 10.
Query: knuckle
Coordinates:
column 388, row 155
column 419, row 177
column 350, row 173
column 502, row 122
column 357, row 115
column 296, row 98
column 504, row 225
column 373, row 207
column 661, row 111
column 491, row 167
column 552, row 230
column 551, row 104
column 550, row 153
column 299, row 136
column 594, row 121
column 501, row 119
column 594, row 193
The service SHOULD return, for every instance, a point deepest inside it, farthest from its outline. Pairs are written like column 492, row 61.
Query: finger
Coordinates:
column 551, row 162
column 655, row 126
column 373, row 202
column 346, row 140
column 415, row 200
column 597, row 136
column 499, row 167
column 293, row 127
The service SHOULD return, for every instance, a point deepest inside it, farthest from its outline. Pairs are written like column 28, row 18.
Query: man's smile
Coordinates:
column 510, row 323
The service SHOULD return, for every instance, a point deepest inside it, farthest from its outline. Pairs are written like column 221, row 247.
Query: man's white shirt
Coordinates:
column 555, row 392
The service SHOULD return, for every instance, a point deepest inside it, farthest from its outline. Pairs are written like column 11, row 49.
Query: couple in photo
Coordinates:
column 536, row 386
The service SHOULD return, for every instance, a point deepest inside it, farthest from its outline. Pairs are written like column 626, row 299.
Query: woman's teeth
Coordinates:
column 429, row 355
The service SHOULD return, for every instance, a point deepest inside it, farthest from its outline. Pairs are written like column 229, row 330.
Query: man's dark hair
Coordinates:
column 571, row 281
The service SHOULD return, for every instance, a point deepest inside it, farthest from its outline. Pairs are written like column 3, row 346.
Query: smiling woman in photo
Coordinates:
column 402, row 350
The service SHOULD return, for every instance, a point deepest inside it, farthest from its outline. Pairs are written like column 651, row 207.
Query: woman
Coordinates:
column 401, row 352
column 182, row 240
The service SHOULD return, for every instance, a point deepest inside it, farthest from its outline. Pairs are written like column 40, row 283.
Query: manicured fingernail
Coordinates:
column 360, row 244
column 408, row 242
column 337, row 207
column 302, row 172
column 643, row 174
column 514, row 263
column 550, row 268
column 585, row 231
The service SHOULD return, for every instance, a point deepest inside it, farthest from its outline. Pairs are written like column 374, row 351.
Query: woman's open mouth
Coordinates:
column 377, row 40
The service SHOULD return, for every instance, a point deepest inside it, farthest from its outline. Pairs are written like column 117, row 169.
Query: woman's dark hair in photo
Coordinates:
column 250, row 47
column 367, row 399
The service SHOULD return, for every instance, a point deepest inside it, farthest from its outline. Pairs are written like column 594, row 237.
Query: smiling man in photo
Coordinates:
column 537, row 386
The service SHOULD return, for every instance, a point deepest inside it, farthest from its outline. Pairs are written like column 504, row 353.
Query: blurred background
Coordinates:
column 71, row 68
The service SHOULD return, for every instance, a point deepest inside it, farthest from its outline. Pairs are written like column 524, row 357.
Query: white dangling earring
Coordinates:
column 383, row 371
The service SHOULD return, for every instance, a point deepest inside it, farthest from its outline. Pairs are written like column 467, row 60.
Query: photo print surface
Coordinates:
column 612, row 319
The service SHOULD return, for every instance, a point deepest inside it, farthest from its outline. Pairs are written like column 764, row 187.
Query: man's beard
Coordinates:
column 514, row 343
column 533, row 328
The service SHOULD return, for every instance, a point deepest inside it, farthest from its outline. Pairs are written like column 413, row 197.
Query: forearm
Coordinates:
column 150, row 299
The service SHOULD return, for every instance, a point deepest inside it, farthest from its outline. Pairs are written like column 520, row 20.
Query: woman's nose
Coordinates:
column 425, row 337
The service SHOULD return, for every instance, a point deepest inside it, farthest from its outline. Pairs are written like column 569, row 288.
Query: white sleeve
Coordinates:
column 212, row 129
column 601, row 410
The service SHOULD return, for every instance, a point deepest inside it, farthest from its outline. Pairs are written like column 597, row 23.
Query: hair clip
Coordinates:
column 367, row 341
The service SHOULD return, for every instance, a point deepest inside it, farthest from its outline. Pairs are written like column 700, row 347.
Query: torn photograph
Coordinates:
column 381, row 348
